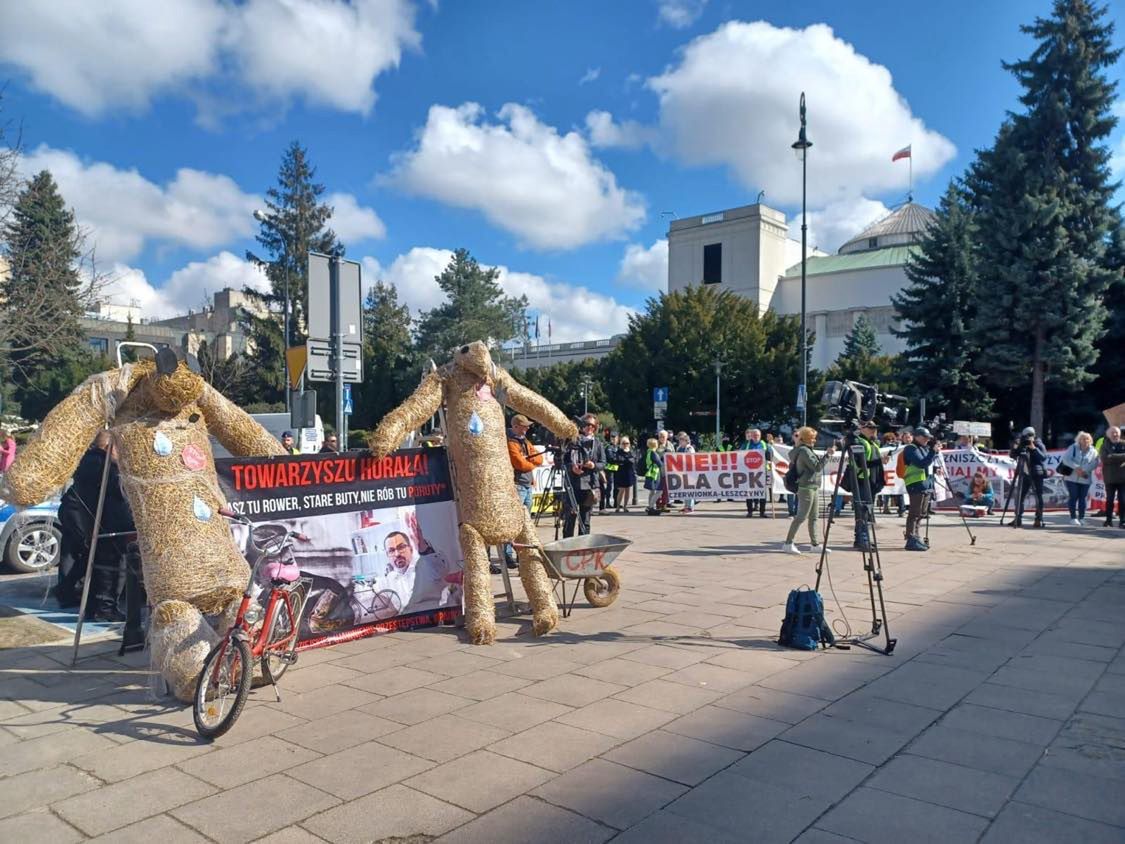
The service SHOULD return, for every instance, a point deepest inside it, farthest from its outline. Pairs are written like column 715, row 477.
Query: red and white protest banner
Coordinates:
column 710, row 475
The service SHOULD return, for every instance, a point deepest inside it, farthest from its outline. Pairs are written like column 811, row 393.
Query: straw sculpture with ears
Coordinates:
column 161, row 414
column 473, row 388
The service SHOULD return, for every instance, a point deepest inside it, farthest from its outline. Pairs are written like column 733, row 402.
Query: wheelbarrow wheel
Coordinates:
column 602, row 591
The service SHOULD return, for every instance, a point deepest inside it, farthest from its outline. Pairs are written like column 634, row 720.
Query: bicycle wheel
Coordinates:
column 274, row 662
column 222, row 689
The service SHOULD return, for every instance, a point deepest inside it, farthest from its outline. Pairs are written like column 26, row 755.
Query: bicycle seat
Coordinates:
column 285, row 572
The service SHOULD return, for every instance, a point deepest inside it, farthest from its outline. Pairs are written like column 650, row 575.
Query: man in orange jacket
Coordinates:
column 524, row 462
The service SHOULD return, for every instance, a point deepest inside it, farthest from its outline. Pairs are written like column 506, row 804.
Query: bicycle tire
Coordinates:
column 226, row 721
column 273, row 665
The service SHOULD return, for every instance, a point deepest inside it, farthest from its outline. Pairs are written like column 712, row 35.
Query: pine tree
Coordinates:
column 388, row 357
column 861, row 341
column 43, row 295
column 475, row 309
column 296, row 222
column 1042, row 194
column 1108, row 389
column 936, row 309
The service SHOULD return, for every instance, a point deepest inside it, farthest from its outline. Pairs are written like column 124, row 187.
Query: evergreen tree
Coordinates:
column 937, row 309
column 1108, row 389
column 392, row 369
column 475, row 309
column 1042, row 194
column 43, row 296
column 296, row 222
column 263, row 379
column 861, row 341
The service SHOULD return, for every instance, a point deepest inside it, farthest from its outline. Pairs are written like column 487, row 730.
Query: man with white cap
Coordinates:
column 1031, row 459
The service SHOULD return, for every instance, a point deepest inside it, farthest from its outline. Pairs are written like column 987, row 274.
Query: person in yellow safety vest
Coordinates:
column 653, row 467
column 919, row 457
column 867, row 483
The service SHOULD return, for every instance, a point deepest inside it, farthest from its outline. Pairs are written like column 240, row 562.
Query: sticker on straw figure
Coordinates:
column 476, row 426
column 201, row 510
column 193, row 458
column 161, row 444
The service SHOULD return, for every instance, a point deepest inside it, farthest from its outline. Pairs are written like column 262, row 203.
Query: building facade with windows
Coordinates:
column 748, row 250
column 219, row 326
column 535, row 357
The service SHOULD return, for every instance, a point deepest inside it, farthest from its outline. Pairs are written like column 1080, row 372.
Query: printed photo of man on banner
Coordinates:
column 377, row 539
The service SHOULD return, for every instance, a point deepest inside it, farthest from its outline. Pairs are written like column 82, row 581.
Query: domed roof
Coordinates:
column 905, row 225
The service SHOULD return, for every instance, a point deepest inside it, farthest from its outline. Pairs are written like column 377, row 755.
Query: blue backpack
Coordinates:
column 804, row 626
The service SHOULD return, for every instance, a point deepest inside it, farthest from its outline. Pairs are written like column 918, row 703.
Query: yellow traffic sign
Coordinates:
column 295, row 359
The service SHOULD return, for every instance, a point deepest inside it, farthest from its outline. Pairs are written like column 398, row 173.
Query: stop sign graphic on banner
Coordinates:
column 754, row 460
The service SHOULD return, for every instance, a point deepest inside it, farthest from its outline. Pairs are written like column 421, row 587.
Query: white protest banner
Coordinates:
column 709, row 475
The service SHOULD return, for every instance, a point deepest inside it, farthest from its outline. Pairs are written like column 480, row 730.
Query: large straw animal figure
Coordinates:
column 160, row 414
column 472, row 388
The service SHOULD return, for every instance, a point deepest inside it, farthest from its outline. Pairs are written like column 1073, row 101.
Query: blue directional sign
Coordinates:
column 347, row 398
column 660, row 394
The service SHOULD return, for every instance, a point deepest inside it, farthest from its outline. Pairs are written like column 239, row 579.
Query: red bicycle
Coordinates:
column 266, row 628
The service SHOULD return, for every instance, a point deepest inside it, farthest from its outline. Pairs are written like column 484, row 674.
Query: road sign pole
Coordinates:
column 337, row 349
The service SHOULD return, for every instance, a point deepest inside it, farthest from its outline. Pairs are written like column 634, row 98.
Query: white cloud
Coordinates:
column 576, row 313
column 605, row 132
column 838, row 222
column 352, row 222
column 186, row 289
column 645, row 268
column 111, row 55
column 123, row 210
column 732, row 100
column 521, row 174
column 325, row 51
column 591, row 75
column 679, row 14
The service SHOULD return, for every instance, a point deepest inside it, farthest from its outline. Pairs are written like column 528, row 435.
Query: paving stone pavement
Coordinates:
column 669, row 716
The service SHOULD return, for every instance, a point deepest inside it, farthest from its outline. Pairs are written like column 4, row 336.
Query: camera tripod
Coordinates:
column 930, row 510
column 549, row 498
column 1017, row 481
column 865, row 510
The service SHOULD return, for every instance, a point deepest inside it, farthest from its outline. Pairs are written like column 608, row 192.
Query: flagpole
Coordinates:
column 910, row 184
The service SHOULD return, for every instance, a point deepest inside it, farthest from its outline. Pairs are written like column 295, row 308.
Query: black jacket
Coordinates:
column 873, row 468
column 577, row 454
column 82, row 496
column 1036, row 458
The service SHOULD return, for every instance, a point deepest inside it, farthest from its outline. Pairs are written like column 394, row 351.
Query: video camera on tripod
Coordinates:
column 849, row 402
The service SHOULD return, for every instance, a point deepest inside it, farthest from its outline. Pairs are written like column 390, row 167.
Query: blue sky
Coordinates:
column 547, row 138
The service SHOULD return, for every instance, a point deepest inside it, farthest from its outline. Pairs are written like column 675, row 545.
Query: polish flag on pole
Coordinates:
column 902, row 153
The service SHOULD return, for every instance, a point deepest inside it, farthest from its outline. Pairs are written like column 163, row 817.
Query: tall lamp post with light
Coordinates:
column 718, row 426
column 262, row 217
column 801, row 148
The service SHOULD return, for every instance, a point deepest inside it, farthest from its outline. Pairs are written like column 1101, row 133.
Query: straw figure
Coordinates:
column 472, row 389
column 160, row 415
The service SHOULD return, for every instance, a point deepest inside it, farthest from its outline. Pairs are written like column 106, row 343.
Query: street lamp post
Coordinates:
column 718, row 426
column 801, row 147
column 261, row 217
column 585, row 394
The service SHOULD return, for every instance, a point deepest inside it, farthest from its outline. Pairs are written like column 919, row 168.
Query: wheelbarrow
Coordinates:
column 585, row 559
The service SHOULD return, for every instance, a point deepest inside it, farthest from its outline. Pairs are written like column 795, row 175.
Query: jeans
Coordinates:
column 1115, row 491
column 791, row 504
column 806, row 511
column 1076, row 499
column 524, row 493
column 1035, row 482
